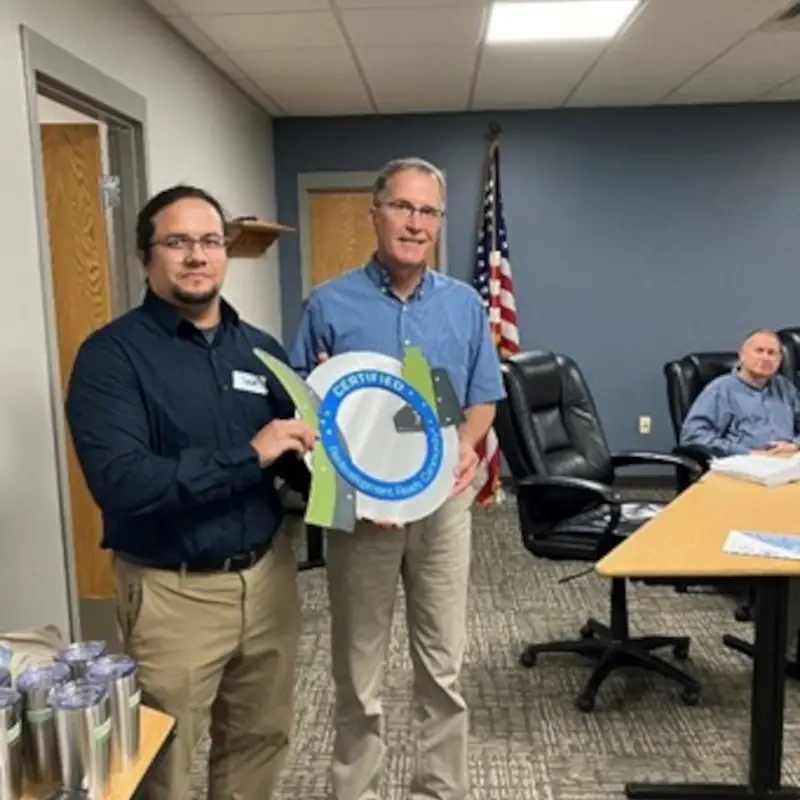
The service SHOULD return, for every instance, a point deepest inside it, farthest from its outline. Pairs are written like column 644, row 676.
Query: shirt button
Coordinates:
column 407, row 342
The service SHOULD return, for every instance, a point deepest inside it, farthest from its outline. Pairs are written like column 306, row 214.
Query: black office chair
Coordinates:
column 563, row 472
column 686, row 378
column 790, row 344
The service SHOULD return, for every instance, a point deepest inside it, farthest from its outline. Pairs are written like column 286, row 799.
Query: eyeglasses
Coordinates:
column 212, row 243
column 405, row 210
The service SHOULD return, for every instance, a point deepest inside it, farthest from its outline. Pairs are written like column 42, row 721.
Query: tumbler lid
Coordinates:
column 75, row 695
column 9, row 697
column 43, row 676
column 111, row 667
column 82, row 651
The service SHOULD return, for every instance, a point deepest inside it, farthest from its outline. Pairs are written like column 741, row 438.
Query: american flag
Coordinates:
column 493, row 280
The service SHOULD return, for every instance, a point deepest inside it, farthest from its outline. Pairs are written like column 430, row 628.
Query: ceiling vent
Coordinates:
column 787, row 20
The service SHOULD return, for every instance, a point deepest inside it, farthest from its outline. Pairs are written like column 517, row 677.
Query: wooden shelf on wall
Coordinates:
column 251, row 238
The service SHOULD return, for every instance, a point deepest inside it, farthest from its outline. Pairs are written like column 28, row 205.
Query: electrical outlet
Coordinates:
column 645, row 424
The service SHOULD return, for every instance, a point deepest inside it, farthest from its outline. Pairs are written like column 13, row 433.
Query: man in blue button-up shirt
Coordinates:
column 751, row 409
column 392, row 302
column 181, row 437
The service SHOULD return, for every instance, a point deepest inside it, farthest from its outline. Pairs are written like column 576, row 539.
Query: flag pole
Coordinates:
column 493, row 135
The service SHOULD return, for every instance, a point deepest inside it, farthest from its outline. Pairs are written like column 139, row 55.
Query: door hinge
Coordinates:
column 111, row 187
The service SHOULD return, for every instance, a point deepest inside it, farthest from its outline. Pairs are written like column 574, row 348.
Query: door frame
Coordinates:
column 308, row 182
column 56, row 73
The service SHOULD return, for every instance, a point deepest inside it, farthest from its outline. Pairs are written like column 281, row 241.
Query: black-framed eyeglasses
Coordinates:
column 406, row 210
column 181, row 243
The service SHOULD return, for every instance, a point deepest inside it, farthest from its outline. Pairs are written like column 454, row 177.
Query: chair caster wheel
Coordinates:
column 528, row 658
column 681, row 651
column 690, row 697
column 585, row 702
column 586, row 632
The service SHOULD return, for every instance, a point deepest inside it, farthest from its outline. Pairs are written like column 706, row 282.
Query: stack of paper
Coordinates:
column 767, row 545
column 766, row 470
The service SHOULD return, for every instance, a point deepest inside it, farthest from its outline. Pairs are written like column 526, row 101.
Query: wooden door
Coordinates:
column 340, row 232
column 83, row 302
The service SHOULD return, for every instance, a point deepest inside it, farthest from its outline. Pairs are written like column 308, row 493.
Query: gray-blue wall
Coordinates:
column 636, row 235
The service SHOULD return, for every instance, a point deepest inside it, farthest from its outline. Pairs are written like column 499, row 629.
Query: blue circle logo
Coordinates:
column 380, row 489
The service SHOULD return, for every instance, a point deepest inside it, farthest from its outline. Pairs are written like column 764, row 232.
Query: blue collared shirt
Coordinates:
column 731, row 416
column 444, row 318
column 163, row 435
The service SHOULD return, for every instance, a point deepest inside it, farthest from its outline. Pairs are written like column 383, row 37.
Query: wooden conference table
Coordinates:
column 685, row 540
column 156, row 732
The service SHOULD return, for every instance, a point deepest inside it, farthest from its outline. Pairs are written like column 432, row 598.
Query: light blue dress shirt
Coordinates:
column 444, row 318
column 731, row 416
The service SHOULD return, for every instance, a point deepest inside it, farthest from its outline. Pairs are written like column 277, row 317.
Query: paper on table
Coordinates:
column 766, row 470
column 766, row 545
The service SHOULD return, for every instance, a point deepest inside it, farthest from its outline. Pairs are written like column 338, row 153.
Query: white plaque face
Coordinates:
column 388, row 437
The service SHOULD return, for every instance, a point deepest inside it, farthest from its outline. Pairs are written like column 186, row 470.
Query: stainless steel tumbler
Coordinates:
column 83, row 728
column 10, row 744
column 119, row 673
column 5, row 678
column 79, row 655
column 40, row 747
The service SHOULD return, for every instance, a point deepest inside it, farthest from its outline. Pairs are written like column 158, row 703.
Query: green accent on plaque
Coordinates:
column 322, row 497
column 417, row 373
column 294, row 385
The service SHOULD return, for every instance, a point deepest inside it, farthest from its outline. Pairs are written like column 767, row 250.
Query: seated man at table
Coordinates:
column 752, row 409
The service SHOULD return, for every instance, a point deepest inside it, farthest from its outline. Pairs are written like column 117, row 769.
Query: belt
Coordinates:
column 233, row 563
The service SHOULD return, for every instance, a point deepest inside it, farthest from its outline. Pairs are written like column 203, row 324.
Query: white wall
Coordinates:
column 201, row 130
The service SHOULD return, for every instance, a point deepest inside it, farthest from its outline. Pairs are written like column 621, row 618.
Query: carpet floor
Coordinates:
column 528, row 740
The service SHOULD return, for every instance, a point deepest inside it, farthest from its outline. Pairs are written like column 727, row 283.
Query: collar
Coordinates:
column 379, row 275
column 169, row 317
column 736, row 371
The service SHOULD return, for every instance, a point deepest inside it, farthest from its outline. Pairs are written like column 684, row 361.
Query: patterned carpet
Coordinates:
column 528, row 738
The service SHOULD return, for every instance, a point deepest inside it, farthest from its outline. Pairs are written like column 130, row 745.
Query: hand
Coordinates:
column 282, row 436
column 781, row 448
column 322, row 357
column 467, row 467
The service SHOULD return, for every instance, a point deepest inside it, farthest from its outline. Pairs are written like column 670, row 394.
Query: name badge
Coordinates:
column 247, row 382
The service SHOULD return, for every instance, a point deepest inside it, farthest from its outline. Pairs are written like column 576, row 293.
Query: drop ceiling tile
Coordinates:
column 419, row 66
column 441, row 26
column 167, row 8
column 329, row 94
column 222, row 7
column 194, row 35
column 263, row 31
column 406, row 4
column 756, row 65
column 536, row 74
column 290, row 64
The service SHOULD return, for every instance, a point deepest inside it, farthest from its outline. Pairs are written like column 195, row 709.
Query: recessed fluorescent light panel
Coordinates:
column 549, row 20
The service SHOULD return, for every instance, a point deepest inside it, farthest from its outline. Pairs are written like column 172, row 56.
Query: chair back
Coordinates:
column 688, row 376
column 790, row 344
column 548, row 424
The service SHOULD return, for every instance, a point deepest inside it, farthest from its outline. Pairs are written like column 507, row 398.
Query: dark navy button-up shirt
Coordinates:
column 444, row 317
column 162, row 419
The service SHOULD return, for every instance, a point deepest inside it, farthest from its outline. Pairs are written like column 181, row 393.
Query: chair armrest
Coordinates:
column 640, row 458
column 535, row 484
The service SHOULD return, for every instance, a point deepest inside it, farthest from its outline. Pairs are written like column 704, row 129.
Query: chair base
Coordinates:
column 610, row 652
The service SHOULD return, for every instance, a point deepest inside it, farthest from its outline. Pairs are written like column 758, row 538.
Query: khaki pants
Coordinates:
column 217, row 650
column 432, row 557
